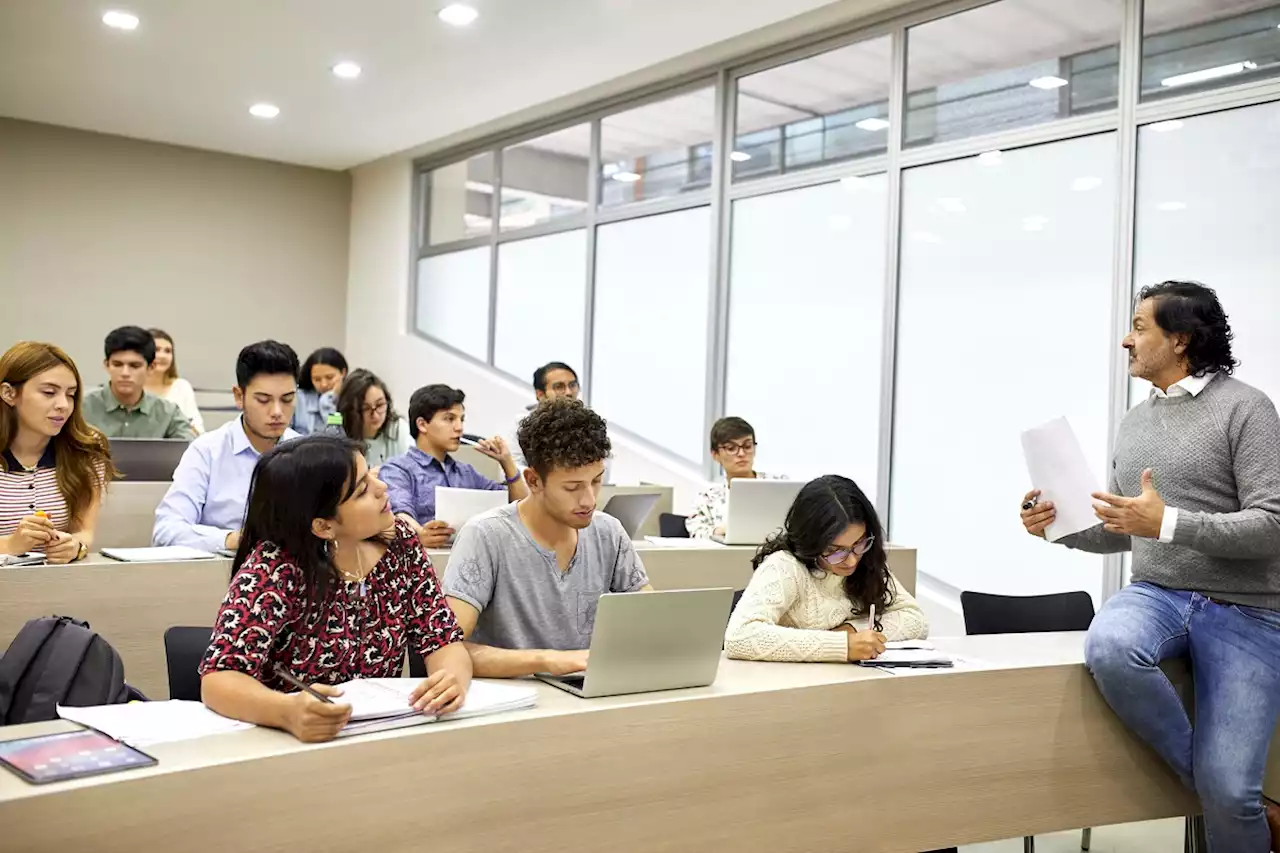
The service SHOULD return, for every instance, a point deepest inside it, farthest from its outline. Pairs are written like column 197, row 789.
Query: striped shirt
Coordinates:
column 22, row 492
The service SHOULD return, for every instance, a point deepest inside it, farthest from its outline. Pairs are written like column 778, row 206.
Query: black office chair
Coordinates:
column 417, row 665
column 1030, row 614
column 183, row 649
column 672, row 526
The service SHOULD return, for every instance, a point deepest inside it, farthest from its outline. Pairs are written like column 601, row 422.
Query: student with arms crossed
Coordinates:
column 733, row 446
column 204, row 508
column 525, row 579
column 123, row 408
column 369, row 418
column 815, row 581
column 436, row 418
column 1195, row 495
column 54, row 468
column 328, row 585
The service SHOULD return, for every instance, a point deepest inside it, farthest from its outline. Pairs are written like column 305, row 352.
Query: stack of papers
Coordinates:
column 925, row 658
column 164, row 554
column 143, row 723
column 379, row 704
column 675, row 542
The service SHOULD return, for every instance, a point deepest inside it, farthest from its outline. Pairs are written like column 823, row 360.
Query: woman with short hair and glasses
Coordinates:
column 733, row 446
column 369, row 417
column 822, row 590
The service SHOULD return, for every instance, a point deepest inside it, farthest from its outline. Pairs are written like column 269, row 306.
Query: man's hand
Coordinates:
column 495, row 448
column 1140, row 516
column 233, row 540
column 565, row 663
column 435, row 534
column 1038, row 516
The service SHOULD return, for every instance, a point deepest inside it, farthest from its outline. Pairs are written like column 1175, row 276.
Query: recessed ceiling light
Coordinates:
column 1048, row 83
column 1208, row 74
column 458, row 14
column 264, row 110
column 120, row 20
column 872, row 124
column 346, row 70
column 1172, row 205
column 1082, row 185
column 991, row 158
column 1166, row 126
column 739, row 156
column 626, row 177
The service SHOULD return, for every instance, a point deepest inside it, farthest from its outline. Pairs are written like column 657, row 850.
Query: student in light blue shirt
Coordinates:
column 319, row 383
column 204, row 508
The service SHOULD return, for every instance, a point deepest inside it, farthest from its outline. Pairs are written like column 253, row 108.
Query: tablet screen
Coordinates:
column 70, row 755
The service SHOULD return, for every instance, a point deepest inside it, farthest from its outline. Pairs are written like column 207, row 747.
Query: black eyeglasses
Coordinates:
column 731, row 449
column 861, row 547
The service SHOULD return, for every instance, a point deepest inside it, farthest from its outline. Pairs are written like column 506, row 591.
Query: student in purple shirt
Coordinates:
column 436, row 416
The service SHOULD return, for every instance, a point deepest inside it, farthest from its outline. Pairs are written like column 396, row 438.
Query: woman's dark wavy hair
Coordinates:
column 821, row 512
column 351, row 404
column 325, row 355
column 1192, row 309
column 294, row 482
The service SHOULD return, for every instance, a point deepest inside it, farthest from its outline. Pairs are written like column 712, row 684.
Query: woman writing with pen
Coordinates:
column 327, row 586
column 54, row 467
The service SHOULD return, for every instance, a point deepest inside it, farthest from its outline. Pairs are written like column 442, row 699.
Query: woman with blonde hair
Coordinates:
column 54, row 467
column 163, row 380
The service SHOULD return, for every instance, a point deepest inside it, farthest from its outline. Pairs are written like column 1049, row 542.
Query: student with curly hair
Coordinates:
column 524, row 580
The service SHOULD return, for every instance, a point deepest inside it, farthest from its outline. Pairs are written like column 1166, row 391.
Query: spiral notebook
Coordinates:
column 379, row 704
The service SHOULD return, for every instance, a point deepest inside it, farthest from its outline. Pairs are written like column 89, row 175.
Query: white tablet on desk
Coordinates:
column 455, row 507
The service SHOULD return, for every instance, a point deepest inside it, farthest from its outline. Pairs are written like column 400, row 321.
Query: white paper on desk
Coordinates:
column 1058, row 469
column 455, row 507
column 161, row 554
column 683, row 543
column 143, row 723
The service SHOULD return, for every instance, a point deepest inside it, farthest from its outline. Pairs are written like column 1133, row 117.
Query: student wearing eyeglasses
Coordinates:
column 817, row 581
column 369, row 418
column 733, row 446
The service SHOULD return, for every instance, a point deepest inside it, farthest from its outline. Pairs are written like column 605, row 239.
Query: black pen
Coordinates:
column 287, row 676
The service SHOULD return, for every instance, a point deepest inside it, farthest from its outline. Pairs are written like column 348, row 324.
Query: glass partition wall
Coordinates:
column 891, row 250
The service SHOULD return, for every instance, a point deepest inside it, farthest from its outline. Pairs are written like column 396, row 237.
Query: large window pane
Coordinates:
column 460, row 200
column 650, row 337
column 1010, row 64
column 806, row 308
column 1004, row 323
column 657, row 150
column 453, row 300
column 823, row 109
column 541, row 302
column 1192, row 45
column 1217, row 223
column 546, row 178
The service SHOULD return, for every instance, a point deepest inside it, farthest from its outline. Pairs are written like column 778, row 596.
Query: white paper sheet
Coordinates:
column 681, row 544
column 142, row 723
column 1059, row 470
column 161, row 554
column 455, row 507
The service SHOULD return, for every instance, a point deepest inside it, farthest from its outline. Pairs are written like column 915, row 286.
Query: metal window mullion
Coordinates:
column 718, row 301
column 495, row 223
column 1126, row 221
column 892, row 269
column 594, row 160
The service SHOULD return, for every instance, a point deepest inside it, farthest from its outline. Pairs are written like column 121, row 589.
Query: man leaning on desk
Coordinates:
column 1195, row 494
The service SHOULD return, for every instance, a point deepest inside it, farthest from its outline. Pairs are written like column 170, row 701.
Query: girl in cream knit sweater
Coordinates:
column 815, row 582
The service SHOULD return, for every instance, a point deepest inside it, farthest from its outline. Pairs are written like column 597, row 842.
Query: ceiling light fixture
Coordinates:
column 346, row 70
column 1208, row 74
column 1172, row 205
column 1083, row 185
column 264, row 110
column 739, row 156
column 626, row 177
column 872, row 124
column 1048, row 82
column 118, row 20
column 459, row 14
column 991, row 158
column 1166, row 126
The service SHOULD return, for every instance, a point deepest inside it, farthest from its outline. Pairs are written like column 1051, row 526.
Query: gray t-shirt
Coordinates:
column 525, row 600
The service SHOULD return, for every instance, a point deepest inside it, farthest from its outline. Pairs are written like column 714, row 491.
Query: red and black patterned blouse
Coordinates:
column 362, row 631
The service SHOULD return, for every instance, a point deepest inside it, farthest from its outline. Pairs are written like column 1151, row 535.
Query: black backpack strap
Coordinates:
column 19, row 656
column 71, row 643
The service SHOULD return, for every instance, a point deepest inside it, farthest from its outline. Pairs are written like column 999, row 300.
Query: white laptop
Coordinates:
column 455, row 507
column 644, row 641
column 756, row 509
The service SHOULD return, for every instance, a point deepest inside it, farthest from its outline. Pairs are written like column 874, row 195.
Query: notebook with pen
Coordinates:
column 380, row 704
column 921, row 658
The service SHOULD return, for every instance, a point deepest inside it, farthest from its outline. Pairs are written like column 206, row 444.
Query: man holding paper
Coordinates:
column 1195, row 494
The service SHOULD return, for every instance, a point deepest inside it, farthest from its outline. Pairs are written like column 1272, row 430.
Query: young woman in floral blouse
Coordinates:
column 330, row 587
column 733, row 446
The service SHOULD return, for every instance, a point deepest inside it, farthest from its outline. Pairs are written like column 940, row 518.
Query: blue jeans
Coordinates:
column 1235, row 665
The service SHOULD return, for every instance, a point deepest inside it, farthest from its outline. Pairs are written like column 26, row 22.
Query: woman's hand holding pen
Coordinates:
column 34, row 533
column 62, row 549
column 863, row 645
column 311, row 720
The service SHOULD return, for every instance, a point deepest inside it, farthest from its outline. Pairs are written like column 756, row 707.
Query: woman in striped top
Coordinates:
column 53, row 466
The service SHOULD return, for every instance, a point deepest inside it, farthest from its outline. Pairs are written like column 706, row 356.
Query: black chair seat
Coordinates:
column 183, row 649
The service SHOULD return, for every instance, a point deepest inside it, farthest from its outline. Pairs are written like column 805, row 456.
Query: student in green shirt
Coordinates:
column 369, row 418
column 123, row 408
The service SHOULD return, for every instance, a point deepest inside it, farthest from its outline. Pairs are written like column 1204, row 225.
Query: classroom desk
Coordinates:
column 128, row 514
column 772, row 757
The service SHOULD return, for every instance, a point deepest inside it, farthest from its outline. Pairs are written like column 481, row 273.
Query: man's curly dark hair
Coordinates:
column 1189, row 308
column 562, row 433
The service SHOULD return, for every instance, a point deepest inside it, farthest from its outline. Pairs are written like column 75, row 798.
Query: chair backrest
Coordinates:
column 183, row 649
column 672, row 526
column 1031, row 614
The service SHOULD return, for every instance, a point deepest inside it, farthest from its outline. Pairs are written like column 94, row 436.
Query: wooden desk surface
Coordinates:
column 772, row 757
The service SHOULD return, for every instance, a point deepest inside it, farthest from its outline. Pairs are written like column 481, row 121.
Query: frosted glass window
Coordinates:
column 541, row 303
column 1004, row 323
column 453, row 300
column 1216, row 223
column 805, row 321
column 650, row 339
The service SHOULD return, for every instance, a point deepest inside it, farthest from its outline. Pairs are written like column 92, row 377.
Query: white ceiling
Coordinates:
column 189, row 73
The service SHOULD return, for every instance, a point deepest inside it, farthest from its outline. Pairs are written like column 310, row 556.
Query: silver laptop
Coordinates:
column 756, row 509
column 632, row 510
column 646, row 641
column 147, row 459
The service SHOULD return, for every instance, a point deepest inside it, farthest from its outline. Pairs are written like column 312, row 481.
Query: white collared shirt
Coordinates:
column 1188, row 386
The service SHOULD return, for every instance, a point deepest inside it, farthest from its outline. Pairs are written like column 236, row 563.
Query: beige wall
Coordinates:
column 100, row 231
